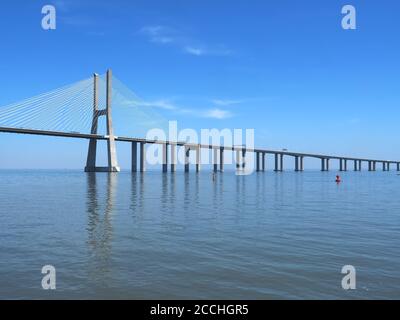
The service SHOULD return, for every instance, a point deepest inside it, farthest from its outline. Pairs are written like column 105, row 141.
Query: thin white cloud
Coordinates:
column 217, row 114
column 158, row 34
column 214, row 113
column 202, row 51
column 194, row 51
column 162, row 104
column 163, row 35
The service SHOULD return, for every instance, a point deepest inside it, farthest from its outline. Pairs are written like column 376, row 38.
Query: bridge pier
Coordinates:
column 198, row 159
column 244, row 159
column 134, row 156
column 238, row 159
column 173, row 157
column 355, row 165
column 263, row 161
column 258, row 162
column 301, row 163
column 165, row 157
column 142, row 157
column 323, row 164
column 221, row 159
column 215, row 159
column 241, row 159
column 187, row 159
column 296, row 164
column 278, row 162
column 340, row 164
column 398, row 166
column 388, row 166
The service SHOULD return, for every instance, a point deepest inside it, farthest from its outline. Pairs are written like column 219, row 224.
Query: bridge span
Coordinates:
column 260, row 154
column 86, row 102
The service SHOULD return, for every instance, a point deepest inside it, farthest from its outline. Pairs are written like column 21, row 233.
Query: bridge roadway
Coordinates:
column 297, row 155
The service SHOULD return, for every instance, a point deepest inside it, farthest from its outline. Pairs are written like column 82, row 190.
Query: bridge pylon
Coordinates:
column 111, row 149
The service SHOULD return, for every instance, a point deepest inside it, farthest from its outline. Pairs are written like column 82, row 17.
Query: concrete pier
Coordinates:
column 221, row 159
column 165, row 157
column 323, row 168
column 276, row 162
column 142, row 157
column 238, row 159
column 301, row 163
column 173, row 157
column 258, row 167
column 198, row 159
column 215, row 159
column 281, row 162
column 134, row 156
column 187, row 159
column 296, row 164
column 355, row 165
column 398, row 166
column 263, row 162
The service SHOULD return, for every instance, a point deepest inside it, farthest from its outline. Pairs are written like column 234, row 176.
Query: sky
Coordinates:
column 286, row 69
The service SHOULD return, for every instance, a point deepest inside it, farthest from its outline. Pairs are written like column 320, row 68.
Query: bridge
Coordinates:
column 63, row 107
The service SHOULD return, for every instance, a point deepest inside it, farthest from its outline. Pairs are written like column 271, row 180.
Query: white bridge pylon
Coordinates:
column 111, row 149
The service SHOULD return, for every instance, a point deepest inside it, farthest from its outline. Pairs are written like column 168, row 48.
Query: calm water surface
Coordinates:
column 263, row 236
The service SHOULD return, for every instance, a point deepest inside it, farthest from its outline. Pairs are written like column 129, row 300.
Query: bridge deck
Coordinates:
column 203, row 146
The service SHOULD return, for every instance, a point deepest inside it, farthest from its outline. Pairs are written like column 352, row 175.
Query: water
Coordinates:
column 264, row 236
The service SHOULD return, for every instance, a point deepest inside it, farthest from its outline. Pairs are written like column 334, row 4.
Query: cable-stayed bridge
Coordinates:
column 83, row 110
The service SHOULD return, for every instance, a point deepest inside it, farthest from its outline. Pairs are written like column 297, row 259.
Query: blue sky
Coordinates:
column 285, row 68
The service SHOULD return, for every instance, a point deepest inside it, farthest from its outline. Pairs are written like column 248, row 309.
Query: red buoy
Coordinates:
column 338, row 180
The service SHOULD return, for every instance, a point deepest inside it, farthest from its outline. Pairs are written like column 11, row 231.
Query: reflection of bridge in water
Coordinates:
column 100, row 229
column 62, row 107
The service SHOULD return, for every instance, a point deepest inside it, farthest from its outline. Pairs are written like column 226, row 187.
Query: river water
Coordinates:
column 187, row 236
